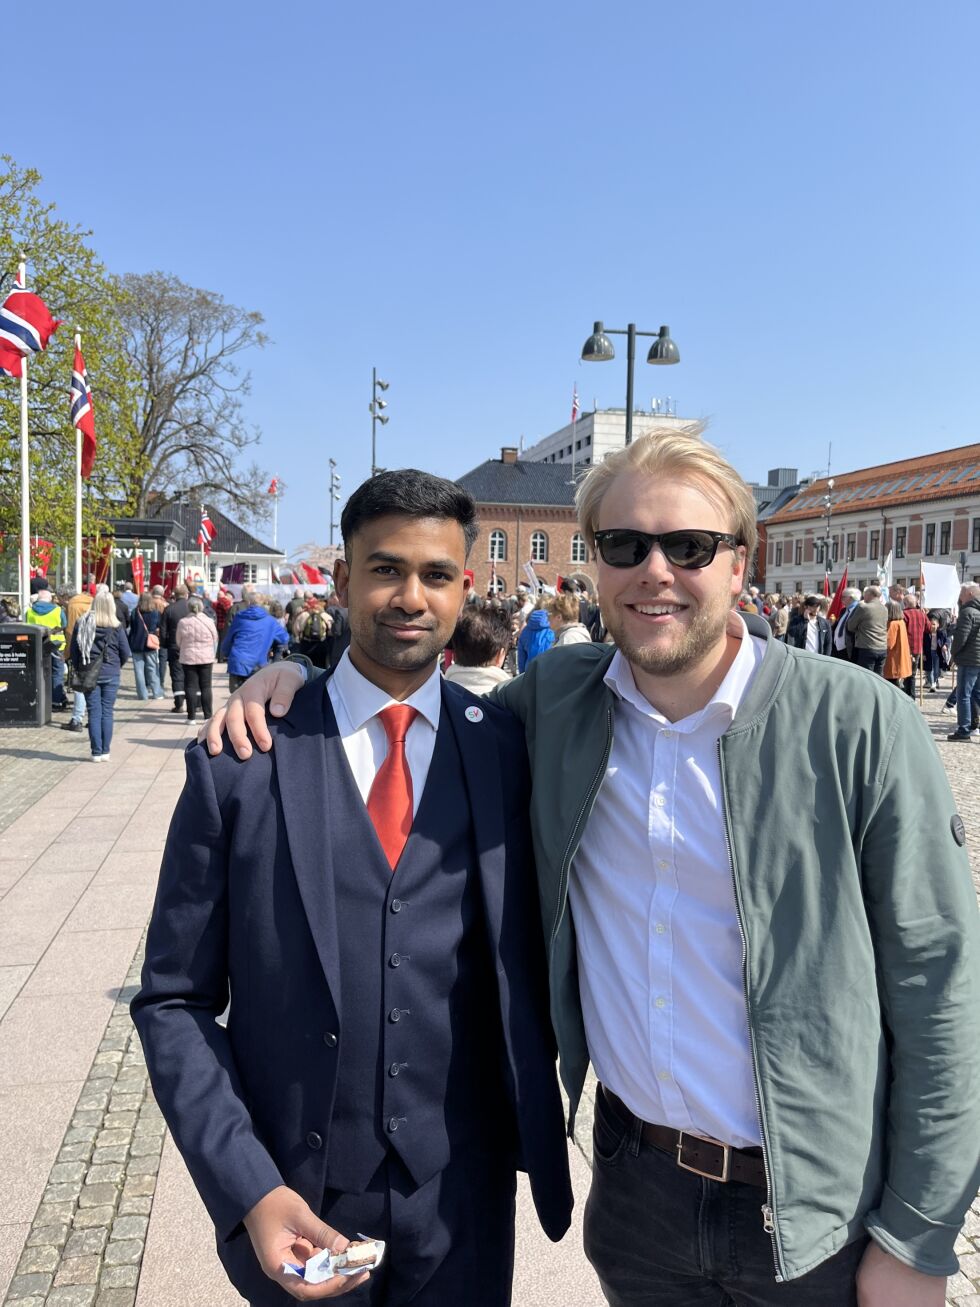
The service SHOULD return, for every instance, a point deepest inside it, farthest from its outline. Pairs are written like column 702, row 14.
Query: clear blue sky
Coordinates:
column 454, row 192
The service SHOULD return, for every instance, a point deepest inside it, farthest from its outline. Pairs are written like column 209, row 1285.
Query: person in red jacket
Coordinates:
column 915, row 623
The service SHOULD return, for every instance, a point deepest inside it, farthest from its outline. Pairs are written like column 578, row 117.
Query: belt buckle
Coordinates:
column 708, row 1175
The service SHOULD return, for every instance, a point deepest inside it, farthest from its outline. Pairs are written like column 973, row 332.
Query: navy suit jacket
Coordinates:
column 796, row 634
column 244, row 907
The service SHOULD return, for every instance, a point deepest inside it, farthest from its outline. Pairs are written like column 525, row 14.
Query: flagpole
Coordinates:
column 275, row 519
column 25, row 484
column 78, row 493
column 201, row 533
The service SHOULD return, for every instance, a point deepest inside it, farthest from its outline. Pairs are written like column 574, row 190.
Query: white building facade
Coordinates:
column 919, row 509
column 597, row 434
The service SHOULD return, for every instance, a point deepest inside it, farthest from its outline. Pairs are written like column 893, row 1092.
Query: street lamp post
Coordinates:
column 826, row 541
column 334, row 492
column 376, row 406
column 599, row 349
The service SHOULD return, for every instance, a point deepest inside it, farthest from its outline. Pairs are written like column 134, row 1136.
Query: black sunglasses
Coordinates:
column 623, row 547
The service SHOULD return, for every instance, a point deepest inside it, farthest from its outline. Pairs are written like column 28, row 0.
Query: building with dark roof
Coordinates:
column 925, row 508
column 527, row 515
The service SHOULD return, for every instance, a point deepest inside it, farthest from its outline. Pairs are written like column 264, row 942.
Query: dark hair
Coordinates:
column 480, row 634
column 412, row 494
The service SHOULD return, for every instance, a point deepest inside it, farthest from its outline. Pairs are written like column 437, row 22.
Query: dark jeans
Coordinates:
column 659, row 1236
column 197, row 681
column 176, row 676
column 872, row 659
column 967, row 698
column 909, row 682
column 101, row 702
column 58, row 679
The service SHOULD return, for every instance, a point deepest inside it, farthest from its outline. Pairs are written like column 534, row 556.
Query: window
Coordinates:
column 900, row 541
column 798, row 553
column 836, row 554
column 779, row 553
column 497, row 586
column 944, row 530
column 578, row 548
column 976, row 535
column 214, row 573
column 874, row 539
column 498, row 546
column 851, row 548
column 930, row 545
column 539, row 547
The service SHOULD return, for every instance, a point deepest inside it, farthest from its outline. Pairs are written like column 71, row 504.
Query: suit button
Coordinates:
column 396, row 905
column 394, row 1069
column 392, row 1124
column 395, row 959
column 394, row 1015
column 314, row 1141
column 330, row 1039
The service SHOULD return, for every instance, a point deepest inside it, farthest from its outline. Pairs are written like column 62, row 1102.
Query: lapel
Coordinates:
column 477, row 743
column 301, row 769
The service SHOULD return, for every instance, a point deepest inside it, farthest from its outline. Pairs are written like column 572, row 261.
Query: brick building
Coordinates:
column 527, row 514
column 925, row 508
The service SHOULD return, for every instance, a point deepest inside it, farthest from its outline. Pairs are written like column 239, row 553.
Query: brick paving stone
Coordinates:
column 79, row 1270
column 120, row 1277
column 86, row 1243
column 77, row 1295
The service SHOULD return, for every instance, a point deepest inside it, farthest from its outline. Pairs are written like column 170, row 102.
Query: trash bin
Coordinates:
column 25, row 675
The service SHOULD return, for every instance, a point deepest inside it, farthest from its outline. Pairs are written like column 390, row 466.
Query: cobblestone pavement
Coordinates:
column 84, row 1241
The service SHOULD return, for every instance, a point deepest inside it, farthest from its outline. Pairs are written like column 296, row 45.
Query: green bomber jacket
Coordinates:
column 861, row 932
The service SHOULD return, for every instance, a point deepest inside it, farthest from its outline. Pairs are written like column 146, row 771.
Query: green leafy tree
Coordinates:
column 64, row 270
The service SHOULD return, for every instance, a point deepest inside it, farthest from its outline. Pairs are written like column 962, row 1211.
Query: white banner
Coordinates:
column 940, row 585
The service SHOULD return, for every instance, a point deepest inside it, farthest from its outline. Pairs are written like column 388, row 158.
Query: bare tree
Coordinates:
column 185, row 345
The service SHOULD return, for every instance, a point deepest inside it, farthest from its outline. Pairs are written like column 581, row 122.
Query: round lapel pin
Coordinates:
column 474, row 714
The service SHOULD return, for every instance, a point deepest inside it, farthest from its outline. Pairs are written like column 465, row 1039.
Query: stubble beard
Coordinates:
column 704, row 634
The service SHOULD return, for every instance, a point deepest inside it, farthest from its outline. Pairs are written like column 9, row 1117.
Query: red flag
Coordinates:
column 826, row 584
column 82, row 413
column 207, row 533
column 138, row 567
column 575, row 409
column 313, row 574
column 273, row 486
column 26, row 326
column 837, row 604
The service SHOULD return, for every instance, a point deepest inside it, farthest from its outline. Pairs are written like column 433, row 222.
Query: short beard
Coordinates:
column 386, row 651
column 703, row 635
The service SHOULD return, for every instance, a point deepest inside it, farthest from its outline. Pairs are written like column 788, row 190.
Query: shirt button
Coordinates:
column 668, row 735
column 394, row 1069
column 396, row 905
column 395, row 959
column 661, row 1002
column 661, row 928
column 314, row 1141
column 663, row 1075
column 330, row 1039
column 663, row 864
column 394, row 1014
column 392, row 1124
column 659, row 800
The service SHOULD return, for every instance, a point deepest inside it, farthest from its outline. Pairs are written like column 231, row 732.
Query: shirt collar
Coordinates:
column 724, row 702
column 362, row 699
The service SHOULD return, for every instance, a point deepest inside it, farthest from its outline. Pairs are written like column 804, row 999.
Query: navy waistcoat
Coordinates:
column 421, row 1057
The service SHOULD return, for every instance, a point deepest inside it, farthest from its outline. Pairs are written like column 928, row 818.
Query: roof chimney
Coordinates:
column 508, row 454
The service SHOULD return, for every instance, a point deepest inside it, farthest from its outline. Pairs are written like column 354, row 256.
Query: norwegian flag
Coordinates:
column 82, row 412
column 575, row 408
column 273, row 486
column 207, row 532
column 26, row 326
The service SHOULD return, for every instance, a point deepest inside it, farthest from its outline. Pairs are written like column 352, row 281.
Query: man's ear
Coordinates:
column 739, row 564
column 341, row 579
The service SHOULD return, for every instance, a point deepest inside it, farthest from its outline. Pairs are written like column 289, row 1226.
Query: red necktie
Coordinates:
column 389, row 803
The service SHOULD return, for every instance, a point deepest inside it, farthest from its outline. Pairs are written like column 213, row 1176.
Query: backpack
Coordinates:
column 316, row 628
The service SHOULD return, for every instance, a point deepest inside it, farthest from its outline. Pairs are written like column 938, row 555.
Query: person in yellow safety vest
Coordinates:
column 43, row 612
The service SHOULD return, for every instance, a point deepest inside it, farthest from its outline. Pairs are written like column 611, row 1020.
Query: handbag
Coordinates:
column 152, row 639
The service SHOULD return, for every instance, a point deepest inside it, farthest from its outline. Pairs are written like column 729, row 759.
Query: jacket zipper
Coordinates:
column 768, row 1210
column 579, row 822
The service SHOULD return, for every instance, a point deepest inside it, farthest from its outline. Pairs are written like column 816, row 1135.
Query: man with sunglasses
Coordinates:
column 782, row 1015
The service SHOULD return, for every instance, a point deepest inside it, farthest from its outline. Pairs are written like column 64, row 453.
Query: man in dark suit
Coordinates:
column 809, row 629
column 366, row 893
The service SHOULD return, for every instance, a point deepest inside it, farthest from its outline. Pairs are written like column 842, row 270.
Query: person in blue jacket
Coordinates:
column 536, row 638
column 252, row 635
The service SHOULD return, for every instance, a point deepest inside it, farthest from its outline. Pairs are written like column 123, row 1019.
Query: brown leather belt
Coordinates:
column 691, row 1153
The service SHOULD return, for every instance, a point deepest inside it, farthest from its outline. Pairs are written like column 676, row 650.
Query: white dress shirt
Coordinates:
column 653, row 902
column 356, row 702
column 812, row 635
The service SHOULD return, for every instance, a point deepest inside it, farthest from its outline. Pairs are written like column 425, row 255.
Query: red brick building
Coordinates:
column 527, row 515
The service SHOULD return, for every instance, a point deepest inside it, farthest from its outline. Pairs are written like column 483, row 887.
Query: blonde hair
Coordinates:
column 681, row 453
column 104, row 609
column 565, row 607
